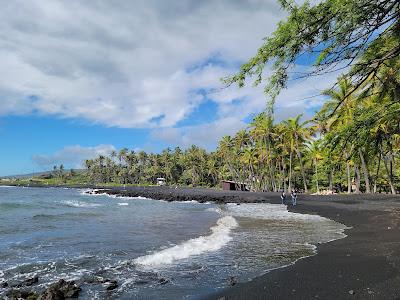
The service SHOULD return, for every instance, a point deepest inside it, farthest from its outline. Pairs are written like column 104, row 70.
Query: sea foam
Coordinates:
column 266, row 211
column 73, row 203
column 219, row 237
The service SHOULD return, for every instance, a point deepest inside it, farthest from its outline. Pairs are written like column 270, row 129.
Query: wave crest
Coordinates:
column 219, row 237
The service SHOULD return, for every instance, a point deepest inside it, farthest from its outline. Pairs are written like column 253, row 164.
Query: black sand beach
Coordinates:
column 365, row 265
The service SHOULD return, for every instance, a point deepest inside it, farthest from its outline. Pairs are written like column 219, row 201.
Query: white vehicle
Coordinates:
column 161, row 181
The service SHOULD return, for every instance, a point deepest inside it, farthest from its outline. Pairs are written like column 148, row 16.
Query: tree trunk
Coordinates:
column 303, row 174
column 392, row 188
column 348, row 177
column 290, row 171
column 377, row 173
column 316, row 175
column 357, row 178
column 365, row 171
column 284, row 175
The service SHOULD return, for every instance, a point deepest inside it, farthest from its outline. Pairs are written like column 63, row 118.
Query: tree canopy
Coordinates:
column 362, row 35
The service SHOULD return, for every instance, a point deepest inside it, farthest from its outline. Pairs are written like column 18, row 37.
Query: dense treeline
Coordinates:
column 193, row 166
column 351, row 145
column 328, row 152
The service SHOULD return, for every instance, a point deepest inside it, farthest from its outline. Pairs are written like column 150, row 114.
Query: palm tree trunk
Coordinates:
column 284, row 175
column 348, row 177
column 392, row 188
column 290, row 171
column 316, row 175
column 365, row 171
column 303, row 174
column 377, row 173
column 357, row 178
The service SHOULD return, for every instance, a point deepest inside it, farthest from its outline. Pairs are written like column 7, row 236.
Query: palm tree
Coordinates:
column 316, row 156
column 297, row 133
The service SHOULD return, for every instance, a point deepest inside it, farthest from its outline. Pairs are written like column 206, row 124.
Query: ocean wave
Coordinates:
column 13, row 205
column 266, row 211
column 123, row 204
column 91, row 192
column 97, row 192
column 74, row 203
column 65, row 216
column 219, row 237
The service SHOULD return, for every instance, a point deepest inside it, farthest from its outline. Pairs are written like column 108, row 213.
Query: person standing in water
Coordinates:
column 283, row 197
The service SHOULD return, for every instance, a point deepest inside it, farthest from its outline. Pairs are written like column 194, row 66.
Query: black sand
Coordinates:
column 364, row 265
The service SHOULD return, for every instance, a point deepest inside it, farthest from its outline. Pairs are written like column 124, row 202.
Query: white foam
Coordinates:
column 74, row 203
column 266, row 211
column 123, row 204
column 97, row 192
column 129, row 198
column 87, row 192
column 219, row 237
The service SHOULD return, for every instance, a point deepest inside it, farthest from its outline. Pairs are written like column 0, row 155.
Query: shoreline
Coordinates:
column 363, row 265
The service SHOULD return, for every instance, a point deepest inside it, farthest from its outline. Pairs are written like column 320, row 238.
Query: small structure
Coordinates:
column 160, row 181
column 228, row 185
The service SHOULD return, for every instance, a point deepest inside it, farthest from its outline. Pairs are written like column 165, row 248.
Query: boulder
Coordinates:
column 232, row 281
column 163, row 280
column 111, row 285
column 61, row 290
column 28, row 281
column 20, row 294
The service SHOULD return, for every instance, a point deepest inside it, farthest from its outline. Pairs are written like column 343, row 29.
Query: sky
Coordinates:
column 83, row 78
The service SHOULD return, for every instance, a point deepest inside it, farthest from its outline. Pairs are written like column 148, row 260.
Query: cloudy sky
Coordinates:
column 79, row 78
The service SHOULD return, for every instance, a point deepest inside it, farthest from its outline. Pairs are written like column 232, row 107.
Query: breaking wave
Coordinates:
column 219, row 237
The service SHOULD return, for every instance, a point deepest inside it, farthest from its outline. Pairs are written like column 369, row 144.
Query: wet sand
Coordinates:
column 364, row 265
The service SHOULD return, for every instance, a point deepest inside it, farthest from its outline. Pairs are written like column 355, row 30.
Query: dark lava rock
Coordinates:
column 163, row 280
column 18, row 294
column 28, row 282
column 51, row 295
column 3, row 284
column 111, row 285
column 61, row 290
column 232, row 281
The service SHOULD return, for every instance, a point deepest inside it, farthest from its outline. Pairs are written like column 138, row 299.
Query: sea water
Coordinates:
column 154, row 249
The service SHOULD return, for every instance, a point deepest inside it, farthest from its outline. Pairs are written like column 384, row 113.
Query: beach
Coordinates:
column 364, row 265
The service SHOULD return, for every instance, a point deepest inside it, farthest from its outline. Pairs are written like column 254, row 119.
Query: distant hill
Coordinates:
column 37, row 174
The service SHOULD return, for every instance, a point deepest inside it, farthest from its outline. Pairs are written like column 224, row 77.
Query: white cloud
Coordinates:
column 204, row 135
column 139, row 64
column 72, row 156
column 237, row 104
column 125, row 64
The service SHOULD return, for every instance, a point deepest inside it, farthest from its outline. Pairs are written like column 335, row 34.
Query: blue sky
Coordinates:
column 143, row 75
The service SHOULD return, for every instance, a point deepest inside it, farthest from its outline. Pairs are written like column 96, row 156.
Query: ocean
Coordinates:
column 154, row 249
